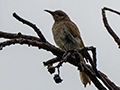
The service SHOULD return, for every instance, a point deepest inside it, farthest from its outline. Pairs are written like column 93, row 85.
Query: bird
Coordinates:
column 67, row 37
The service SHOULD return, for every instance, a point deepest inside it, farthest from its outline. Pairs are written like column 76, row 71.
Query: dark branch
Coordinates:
column 39, row 33
column 18, row 35
column 52, row 61
column 109, row 29
column 108, row 81
column 89, row 71
column 87, row 56
column 43, row 45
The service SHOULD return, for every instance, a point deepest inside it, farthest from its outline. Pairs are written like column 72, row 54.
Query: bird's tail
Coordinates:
column 84, row 78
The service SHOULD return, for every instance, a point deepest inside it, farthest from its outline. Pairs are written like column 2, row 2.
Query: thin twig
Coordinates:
column 39, row 33
column 109, row 29
column 18, row 35
column 90, row 59
column 112, row 10
column 52, row 61
column 93, row 49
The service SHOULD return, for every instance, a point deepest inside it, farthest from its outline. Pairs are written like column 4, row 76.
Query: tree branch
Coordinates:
column 18, row 35
column 39, row 33
column 114, row 87
column 43, row 45
column 89, row 71
column 109, row 29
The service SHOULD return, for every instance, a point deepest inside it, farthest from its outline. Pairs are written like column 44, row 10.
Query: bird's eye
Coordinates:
column 60, row 14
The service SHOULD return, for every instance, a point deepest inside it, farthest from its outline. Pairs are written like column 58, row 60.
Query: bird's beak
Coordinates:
column 51, row 12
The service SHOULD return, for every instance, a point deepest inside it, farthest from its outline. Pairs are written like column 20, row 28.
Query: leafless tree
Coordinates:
column 61, row 56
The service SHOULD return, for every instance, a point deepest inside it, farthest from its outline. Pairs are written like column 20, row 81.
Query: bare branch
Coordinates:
column 39, row 33
column 109, row 29
column 108, row 81
column 43, row 45
column 52, row 61
column 18, row 35
column 89, row 71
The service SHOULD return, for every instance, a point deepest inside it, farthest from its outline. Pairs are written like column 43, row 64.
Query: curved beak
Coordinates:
column 51, row 12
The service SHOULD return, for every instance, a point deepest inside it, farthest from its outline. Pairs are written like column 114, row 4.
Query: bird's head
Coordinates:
column 58, row 15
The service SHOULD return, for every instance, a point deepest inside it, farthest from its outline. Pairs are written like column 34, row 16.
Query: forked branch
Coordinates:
column 109, row 29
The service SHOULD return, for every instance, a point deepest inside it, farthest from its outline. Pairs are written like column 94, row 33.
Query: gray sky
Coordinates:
column 21, row 67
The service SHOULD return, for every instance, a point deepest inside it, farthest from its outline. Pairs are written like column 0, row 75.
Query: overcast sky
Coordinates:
column 21, row 67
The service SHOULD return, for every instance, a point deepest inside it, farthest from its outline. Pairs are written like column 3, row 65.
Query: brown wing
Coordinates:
column 73, row 29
